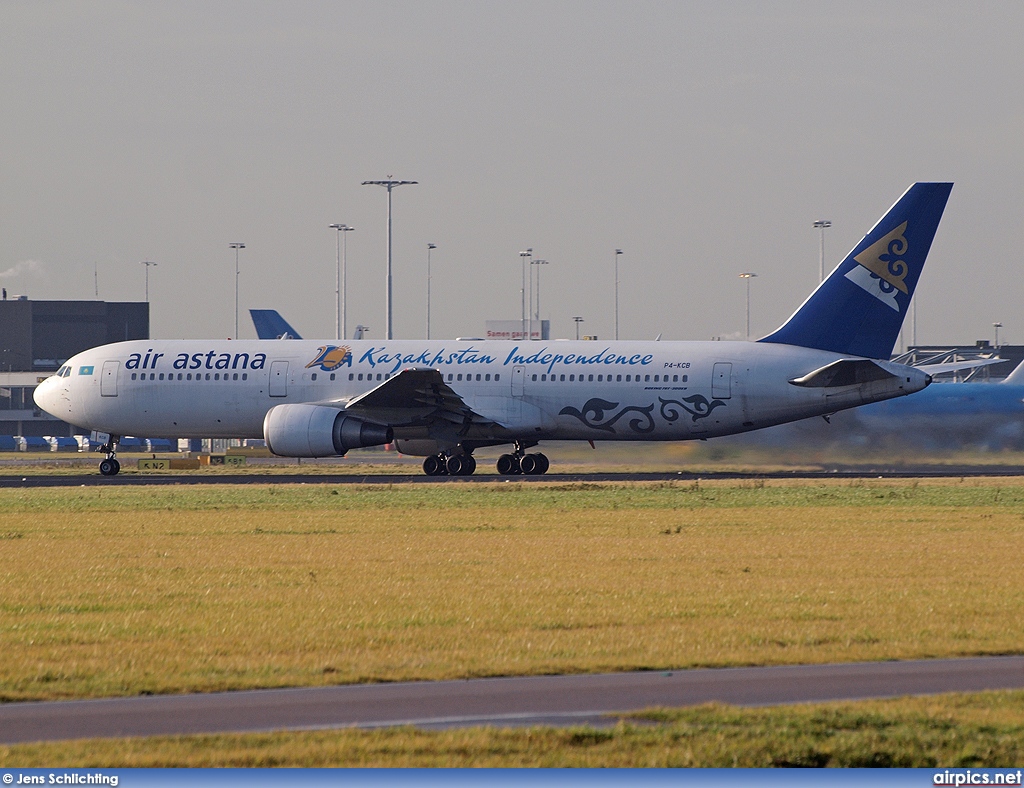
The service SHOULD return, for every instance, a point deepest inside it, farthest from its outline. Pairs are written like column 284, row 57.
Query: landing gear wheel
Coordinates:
column 508, row 465
column 528, row 464
column 468, row 465
column 434, row 466
column 110, row 466
column 534, row 464
column 455, row 465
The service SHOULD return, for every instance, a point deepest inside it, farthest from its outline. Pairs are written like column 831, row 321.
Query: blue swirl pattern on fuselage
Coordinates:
column 593, row 415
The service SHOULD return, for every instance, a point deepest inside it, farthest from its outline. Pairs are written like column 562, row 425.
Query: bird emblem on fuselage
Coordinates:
column 330, row 357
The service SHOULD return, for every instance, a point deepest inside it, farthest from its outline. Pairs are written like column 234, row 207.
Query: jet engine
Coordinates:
column 319, row 431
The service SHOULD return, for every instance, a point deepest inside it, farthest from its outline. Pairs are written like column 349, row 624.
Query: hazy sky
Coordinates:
column 702, row 138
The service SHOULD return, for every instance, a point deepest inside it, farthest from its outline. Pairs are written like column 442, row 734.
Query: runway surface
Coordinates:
column 544, row 700
column 94, row 479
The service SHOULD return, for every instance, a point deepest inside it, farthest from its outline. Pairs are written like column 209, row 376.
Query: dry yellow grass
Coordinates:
column 109, row 592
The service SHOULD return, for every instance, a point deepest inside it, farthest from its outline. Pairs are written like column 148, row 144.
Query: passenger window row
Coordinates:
column 486, row 377
column 188, row 376
column 608, row 378
column 452, row 377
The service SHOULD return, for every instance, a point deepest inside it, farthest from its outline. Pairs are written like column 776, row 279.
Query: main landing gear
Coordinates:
column 449, row 465
column 110, row 466
column 521, row 463
column 461, row 463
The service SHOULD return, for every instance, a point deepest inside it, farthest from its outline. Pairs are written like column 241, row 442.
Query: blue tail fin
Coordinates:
column 270, row 325
column 859, row 308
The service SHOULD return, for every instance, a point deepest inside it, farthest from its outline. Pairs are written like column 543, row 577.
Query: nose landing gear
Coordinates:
column 110, row 466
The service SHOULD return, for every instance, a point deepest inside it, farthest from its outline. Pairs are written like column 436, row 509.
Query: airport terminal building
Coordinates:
column 36, row 337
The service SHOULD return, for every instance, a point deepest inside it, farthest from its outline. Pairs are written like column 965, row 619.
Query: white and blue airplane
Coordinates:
column 445, row 399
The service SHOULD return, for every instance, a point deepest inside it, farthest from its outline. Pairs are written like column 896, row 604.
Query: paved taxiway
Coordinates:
column 541, row 700
column 94, row 479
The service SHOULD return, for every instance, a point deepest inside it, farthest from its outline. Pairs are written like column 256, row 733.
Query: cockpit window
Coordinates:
column 67, row 372
column 64, row 371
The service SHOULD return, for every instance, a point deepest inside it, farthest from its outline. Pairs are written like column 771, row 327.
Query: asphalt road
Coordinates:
column 94, row 479
column 544, row 700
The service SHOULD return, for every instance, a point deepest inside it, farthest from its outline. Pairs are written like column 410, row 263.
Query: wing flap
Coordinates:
column 415, row 397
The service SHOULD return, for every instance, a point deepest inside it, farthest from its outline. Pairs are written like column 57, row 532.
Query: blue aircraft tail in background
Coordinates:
column 270, row 325
column 860, row 307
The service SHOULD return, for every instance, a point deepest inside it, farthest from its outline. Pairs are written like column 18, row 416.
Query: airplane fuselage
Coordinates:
column 443, row 400
column 559, row 390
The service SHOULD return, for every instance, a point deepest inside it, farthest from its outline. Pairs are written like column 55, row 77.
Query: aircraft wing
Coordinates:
column 415, row 397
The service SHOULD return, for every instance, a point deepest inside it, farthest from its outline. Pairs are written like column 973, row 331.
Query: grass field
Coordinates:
column 984, row 729
column 115, row 591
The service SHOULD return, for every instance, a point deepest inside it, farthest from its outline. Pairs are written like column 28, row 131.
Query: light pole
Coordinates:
column 236, row 246
column 748, row 277
column 536, row 314
column 430, row 248
column 617, row 253
column 578, row 321
column 340, row 328
column 522, row 293
column 822, row 224
column 997, row 326
column 389, row 184
column 148, row 264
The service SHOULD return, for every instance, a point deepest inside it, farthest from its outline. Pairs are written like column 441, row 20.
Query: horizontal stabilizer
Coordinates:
column 845, row 372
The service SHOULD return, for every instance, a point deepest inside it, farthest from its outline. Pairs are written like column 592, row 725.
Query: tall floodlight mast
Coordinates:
column 148, row 264
column 523, row 256
column 389, row 184
column 748, row 276
column 536, row 304
column 822, row 224
column 617, row 253
column 236, row 246
column 339, row 315
column 430, row 248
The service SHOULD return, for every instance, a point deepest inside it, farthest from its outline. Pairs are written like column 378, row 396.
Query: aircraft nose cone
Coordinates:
column 46, row 396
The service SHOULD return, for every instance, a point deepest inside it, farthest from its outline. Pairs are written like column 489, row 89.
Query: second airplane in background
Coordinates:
column 445, row 399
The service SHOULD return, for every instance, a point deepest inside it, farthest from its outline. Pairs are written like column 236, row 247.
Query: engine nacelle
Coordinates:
column 319, row 431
